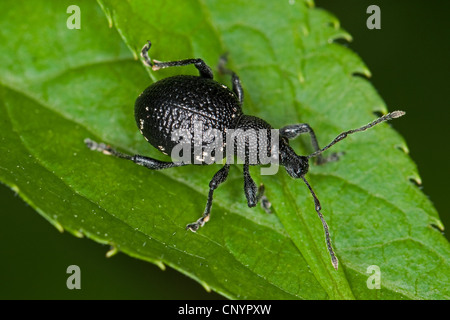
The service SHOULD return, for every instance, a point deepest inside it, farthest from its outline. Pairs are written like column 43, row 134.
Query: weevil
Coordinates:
column 198, row 103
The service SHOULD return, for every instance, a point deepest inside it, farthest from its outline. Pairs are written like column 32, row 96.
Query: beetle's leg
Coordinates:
column 261, row 198
column 253, row 194
column 147, row 162
column 237, row 87
column 218, row 178
column 235, row 81
column 144, row 54
column 201, row 66
column 250, row 188
column 294, row 130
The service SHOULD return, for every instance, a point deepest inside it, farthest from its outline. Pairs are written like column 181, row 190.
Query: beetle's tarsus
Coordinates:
column 100, row 147
column 266, row 205
column 89, row 143
column 193, row 227
column 144, row 54
column 223, row 59
column 155, row 66
column 262, row 199
column 335, row 262
column 197, row 224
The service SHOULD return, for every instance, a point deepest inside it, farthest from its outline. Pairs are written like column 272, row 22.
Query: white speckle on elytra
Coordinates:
column 142, row 124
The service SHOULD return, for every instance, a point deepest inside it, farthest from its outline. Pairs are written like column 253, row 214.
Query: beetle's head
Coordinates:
column 295, row 165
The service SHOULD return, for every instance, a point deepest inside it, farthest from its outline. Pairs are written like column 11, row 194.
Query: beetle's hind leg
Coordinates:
column 147, row 162
column 218, row 178
column 235, row 81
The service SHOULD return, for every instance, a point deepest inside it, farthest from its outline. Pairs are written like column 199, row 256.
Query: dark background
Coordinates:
column 409, row 60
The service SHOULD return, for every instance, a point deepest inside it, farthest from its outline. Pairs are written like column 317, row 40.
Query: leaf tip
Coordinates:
column 310, row 3
column 403, row 147
column 161, row 265
column 205, row 286
column 58, row 226
column 416, row 180
column 78, row 233
column 112, row 252
column 363, row 72
column 15, row 188
column 107, row 13
column 437, row 224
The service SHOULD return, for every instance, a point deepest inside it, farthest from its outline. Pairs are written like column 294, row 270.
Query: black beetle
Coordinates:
column 179, row 102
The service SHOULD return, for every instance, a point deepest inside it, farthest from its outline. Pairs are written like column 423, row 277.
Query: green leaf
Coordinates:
column 60, row 86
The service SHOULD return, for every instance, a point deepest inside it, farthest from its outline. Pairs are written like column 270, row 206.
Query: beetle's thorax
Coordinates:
column 252, row 140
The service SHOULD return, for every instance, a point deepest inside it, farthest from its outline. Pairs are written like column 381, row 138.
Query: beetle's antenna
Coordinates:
column 334, row 259
column 144, row 54
column 343, row 135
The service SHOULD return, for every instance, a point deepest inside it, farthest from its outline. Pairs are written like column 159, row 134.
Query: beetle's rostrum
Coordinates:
column 182, row 102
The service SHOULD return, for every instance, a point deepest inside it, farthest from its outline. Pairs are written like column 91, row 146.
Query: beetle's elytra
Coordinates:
column 177, row 102
column 191, row 103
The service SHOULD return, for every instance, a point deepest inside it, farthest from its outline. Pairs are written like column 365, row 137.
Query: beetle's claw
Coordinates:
column 90, row 144
column 100, row 147
column 144, row 54
column 266, row 205
column 193, row 227
column 197, row 224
